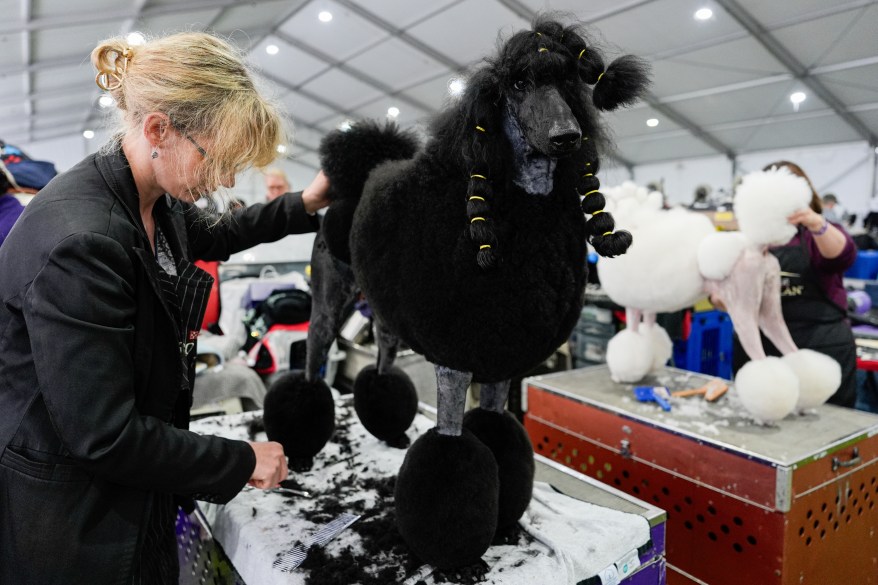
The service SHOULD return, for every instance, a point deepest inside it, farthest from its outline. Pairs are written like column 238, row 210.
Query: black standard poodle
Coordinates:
column 472, row 250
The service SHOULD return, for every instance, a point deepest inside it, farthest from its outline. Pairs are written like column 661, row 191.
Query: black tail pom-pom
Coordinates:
column 624, row 81
column 348, row 156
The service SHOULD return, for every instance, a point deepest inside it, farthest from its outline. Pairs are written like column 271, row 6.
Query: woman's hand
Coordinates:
column 316, row 195
column 271, row 466
column 808, row 218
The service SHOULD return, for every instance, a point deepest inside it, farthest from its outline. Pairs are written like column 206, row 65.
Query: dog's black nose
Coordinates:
column 566, row 140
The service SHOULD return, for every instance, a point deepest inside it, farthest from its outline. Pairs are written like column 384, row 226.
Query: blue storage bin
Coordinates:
column 865, row 266
column 709, row 347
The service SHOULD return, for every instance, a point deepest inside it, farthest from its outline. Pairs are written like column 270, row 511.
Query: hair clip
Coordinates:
column 103, row 81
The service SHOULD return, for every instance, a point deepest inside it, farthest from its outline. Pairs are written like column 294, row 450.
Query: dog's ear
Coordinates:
column 622, row 84
column 600, row 228
column 479, row 134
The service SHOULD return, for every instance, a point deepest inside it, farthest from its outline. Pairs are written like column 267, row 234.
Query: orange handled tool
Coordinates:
column 711, row 391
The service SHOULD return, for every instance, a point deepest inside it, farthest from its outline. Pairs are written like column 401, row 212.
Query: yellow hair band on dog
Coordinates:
column 543, row 50
column 478, row 177
column 480, row 129
column 581, row 53
column 607, row 233
column 483, row 246
column 597, row 212
column 588, row 175
column 599, row 77
column 476, row 197
column 475, row 219
column 590, row 192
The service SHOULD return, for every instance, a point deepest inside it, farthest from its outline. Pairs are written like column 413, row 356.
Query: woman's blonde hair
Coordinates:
column 204, row 86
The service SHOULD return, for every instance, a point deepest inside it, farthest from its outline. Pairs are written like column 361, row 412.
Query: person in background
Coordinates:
column 10, row 208
column 276, row 183
column 833, row 211
column 101, row 308
column 701, row 201
column 813, row 297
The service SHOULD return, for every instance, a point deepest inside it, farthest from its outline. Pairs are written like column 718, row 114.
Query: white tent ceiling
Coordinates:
column 721, row 86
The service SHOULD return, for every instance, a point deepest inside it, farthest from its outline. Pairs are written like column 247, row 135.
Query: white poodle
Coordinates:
column 678, row 258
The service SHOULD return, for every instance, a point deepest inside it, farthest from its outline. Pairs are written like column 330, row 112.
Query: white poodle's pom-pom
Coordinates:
column 768, row 389
column 629, row 356
column 765, row 199
column 662, row 346
column 819, row 376
column 718, row 252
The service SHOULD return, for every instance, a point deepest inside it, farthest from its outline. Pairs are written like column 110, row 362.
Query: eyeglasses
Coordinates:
column 200, row 150
column 186, row 135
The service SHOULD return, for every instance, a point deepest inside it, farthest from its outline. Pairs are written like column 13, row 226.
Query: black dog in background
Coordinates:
column 473, row 251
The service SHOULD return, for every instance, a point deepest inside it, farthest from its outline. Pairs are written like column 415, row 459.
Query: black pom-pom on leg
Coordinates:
column 386, row 403
column 512, row 449
column 446, row 499
column 300, row 415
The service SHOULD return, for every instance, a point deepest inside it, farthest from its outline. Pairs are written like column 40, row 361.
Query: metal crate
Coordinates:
column 748, row 504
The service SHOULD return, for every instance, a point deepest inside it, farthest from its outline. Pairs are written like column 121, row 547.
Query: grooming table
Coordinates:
column 790, row 503
column 594, row 535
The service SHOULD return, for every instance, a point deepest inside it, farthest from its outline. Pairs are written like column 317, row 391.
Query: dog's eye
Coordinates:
column 520, row 85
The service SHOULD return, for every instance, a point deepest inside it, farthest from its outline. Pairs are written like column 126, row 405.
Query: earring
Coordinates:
column 155, row 152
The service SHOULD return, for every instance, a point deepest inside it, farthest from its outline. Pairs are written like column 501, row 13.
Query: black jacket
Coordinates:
column 91, row 416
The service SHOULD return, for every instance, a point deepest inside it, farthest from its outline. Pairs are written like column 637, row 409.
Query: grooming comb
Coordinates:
column 294, row 557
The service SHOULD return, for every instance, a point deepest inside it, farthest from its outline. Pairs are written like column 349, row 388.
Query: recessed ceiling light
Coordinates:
column 325, row 16
column 281, row 148
column 456, row 86
column 703, row 14
column 393, row 112
column 135, row 38
column 88, row 134
column 652, row 122
column 106, row 100
column 272, row 49
column 798, row 97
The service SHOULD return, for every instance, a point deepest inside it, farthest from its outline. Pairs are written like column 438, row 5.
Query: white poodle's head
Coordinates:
column 765, row 199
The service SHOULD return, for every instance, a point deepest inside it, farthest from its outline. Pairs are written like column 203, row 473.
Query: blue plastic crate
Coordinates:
column 865, row 266
column 709, row 347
